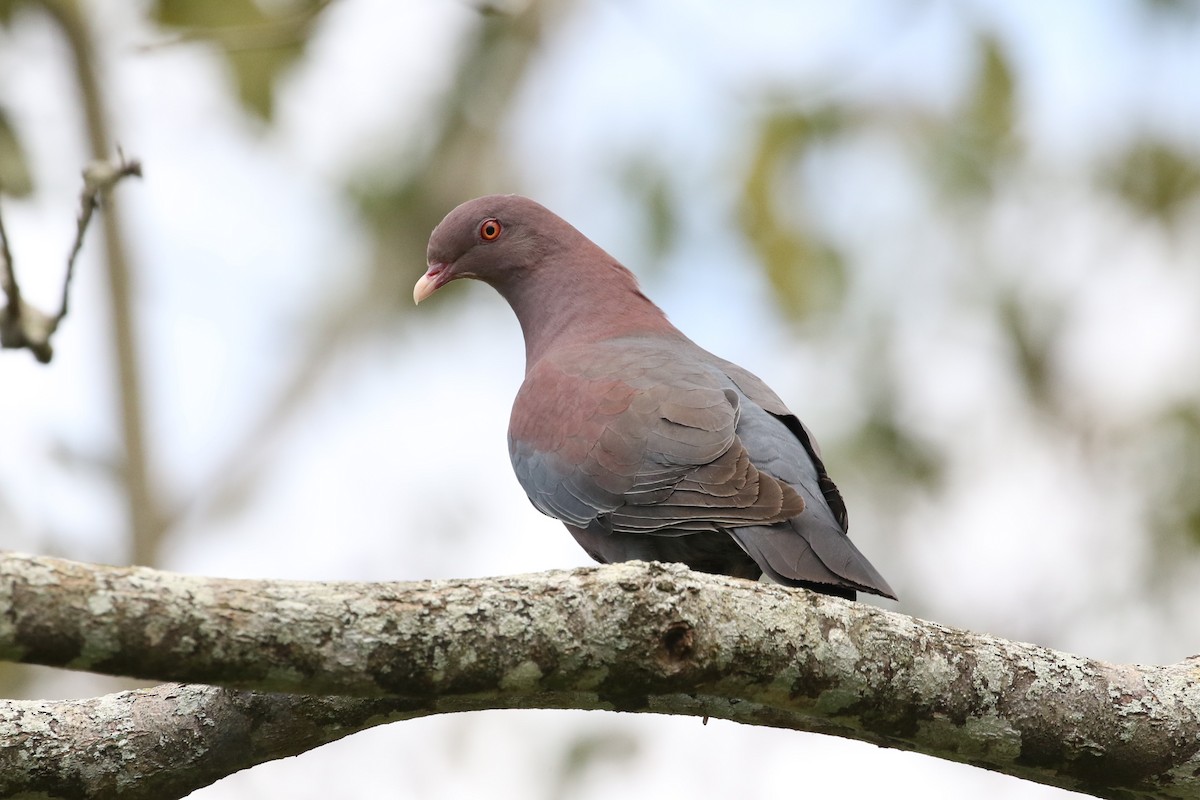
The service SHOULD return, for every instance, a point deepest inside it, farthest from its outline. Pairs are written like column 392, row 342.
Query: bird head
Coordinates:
column 497, row 239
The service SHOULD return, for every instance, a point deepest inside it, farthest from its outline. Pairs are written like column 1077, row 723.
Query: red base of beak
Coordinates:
column 431, row 281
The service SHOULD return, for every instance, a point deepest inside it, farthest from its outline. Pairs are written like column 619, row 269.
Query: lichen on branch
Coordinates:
column 632, row 637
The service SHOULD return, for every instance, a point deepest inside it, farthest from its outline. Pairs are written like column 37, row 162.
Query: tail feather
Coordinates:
column 816, row 555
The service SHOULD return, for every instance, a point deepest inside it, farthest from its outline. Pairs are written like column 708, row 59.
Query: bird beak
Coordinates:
column 433, row 279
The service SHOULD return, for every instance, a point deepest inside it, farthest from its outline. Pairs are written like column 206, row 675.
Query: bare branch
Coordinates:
column 23, row 326
column 167, row 741
column 98, row 179
column 631, row 637
column 8, row 281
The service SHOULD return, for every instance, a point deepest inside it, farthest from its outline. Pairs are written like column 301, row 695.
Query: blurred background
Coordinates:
column 960, row 239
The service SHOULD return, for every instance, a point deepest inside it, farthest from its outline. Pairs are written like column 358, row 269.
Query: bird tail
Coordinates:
column 814, row 554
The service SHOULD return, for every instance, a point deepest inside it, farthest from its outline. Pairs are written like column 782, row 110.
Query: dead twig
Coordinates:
column 23, row 326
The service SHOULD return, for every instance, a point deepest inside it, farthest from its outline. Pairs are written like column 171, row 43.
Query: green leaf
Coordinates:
column 1032, row 328
column 650, row 185
column 1155, row 179
column 991, row 113
column 15, row 179
column 585, row 751
column 259, row 45
column 980, row 140
column 7, row 7
column 806, row 272
column 1173, row 473
column 890, row 451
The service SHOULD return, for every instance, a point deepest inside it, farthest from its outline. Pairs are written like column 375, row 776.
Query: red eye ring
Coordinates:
column 490, row 229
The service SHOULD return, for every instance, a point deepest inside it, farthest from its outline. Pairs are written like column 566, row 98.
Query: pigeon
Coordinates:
column 643, row 444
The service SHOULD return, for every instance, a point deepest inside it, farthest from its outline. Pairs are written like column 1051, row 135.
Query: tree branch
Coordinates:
column 630, row 637
column 98, row 179
column 168, row 741
column 23, row 326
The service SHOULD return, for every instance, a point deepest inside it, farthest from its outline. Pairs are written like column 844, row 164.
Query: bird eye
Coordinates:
column 490, row 230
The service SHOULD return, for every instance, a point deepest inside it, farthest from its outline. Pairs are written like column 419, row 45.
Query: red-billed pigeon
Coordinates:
column 643, row 444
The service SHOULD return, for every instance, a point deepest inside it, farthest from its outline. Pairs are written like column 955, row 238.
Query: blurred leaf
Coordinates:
column 650, row 185
column 991, row 112
column 894, row 452
column 7, row 7
column 1176, row 466
column 981, row 139
column 805, row 272
column 1031, row 332
column 587, row 750
column 883, row 447
column 1186, row 10
column 258, row 44
column 1155, row 179
column 14, row 171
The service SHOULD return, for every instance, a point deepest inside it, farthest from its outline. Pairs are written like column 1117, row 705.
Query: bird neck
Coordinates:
column 560, row 307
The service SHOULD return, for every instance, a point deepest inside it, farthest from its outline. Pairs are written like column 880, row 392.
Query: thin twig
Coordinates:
column 98, row 178
column 8, row 279
column 23, row 326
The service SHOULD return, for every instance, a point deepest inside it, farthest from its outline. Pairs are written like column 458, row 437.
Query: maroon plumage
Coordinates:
column 644, row 444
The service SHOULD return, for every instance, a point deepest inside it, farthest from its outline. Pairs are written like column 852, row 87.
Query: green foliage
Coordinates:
column 7, row 7
column 650, row 187
column 1175, row 476
column 1155, row 179
column 970, row 149
column 258, row 42
column 989, row 118
column 589, row 750
column 1031, row 331
column 15, row 179
column 806, row 272
column 884, row 447
column 893, row 453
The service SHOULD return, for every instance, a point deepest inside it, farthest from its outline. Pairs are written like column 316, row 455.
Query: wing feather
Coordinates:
column 649, row 456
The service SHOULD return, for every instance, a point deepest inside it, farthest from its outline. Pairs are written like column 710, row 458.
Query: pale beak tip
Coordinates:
column 425, row 287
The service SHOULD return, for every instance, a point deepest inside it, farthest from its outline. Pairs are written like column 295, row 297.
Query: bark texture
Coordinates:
column 628, row 637
column 164, row 742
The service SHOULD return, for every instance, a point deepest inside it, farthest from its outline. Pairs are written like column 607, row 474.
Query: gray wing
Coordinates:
column 643, row 442
column 761, row 395
column 811, row 548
